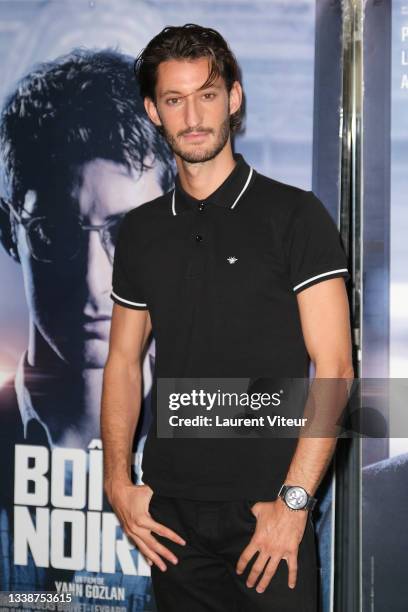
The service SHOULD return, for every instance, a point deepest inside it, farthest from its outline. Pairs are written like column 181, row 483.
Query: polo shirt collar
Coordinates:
column 227, row 195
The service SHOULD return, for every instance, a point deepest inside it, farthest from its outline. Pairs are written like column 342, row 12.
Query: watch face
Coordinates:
column 296, row 498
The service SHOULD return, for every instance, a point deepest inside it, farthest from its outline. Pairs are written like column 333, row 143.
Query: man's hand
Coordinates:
column 277, row 536
column 131, row 505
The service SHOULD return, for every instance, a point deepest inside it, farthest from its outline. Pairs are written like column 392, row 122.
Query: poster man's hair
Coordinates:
column 83, row 105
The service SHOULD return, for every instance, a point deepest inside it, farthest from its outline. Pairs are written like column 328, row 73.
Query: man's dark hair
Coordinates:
column 82, row 106
column 190, row 41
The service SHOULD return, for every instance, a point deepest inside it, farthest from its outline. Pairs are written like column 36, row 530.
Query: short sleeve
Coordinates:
column 126, row 289
column 313, row 245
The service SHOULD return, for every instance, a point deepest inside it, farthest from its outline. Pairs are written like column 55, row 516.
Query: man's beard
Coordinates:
column 194, row 157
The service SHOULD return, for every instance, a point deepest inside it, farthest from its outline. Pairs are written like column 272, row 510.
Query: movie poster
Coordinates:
column 385, row 457
column 78, row 152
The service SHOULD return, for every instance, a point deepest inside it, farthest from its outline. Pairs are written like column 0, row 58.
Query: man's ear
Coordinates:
column 235, row 97
column 151, row 111
column 7, row 235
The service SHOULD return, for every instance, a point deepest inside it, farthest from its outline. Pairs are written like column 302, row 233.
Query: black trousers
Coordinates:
column 205, row 580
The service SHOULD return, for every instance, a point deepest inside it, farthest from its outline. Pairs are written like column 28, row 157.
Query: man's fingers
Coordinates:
column 153, row 545
column 245, row 557
column 293, row 567
column 144, row 531
column 159, row 548
column 270, row 571
column 257, row 568
column 164, row 531
column 150, row 554
column 267, row 576
column 148, row 561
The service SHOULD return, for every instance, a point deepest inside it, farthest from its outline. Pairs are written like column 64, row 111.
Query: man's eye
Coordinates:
column 209, row 96
column 172, row 101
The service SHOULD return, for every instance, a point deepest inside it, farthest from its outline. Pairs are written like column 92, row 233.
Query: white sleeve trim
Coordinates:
column 128, row 301
column 318, row 276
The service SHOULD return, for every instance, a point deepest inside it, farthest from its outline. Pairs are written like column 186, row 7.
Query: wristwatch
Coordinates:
column 296, row 497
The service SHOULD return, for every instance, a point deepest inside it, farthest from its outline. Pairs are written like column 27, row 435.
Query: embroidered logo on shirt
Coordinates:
column 232, row 260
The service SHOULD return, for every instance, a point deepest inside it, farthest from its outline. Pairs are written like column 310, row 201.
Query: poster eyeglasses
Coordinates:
column 51, row 241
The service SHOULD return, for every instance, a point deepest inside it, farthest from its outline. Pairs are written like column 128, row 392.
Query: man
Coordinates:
column 78, row 152
column 239, row 276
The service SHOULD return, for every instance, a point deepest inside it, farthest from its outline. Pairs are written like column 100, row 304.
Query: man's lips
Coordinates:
column 195, row 135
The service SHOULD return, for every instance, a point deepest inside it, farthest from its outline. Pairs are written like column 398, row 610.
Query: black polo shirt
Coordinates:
column 220, row 278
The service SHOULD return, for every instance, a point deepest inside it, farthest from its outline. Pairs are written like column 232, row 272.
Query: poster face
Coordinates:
column 78, row 152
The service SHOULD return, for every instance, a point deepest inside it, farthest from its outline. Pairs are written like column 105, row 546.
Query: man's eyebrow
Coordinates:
column 210, row 86
column 179, row 93
column 171, row 91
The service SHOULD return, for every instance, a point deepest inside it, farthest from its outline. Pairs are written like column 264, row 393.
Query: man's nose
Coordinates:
column 98, row 267
column 192, row 112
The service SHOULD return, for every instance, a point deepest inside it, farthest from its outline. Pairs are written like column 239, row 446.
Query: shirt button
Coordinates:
column 198, row 237
column 201, row 206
